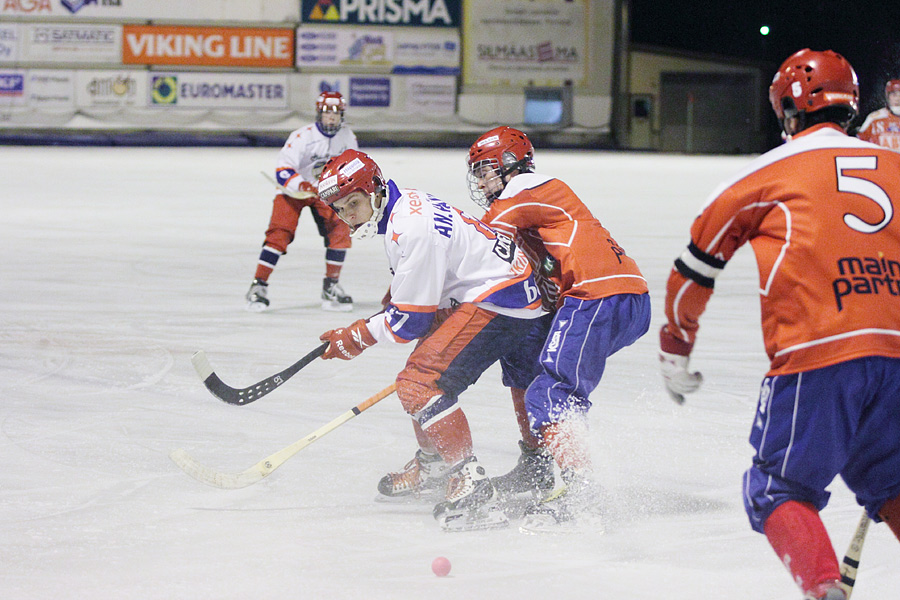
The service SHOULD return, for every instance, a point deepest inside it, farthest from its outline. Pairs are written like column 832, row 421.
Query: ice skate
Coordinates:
column 471, row 502
column 532, row 474
column 826, row 591
column 424, row 473
column 334, row 298
column 256, row 296
column 569, row 508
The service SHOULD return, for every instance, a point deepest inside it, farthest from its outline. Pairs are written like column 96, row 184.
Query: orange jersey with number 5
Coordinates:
column 570, row 250
column 819, row 215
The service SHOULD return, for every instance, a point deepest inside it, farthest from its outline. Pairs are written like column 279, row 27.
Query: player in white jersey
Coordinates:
column 882, row 126
column 299, row 163
column 468, row 296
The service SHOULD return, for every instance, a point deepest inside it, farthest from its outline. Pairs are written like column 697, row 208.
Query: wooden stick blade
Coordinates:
column 203, row 474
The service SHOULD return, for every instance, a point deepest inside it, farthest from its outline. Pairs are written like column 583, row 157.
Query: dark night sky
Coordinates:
column 866, row 32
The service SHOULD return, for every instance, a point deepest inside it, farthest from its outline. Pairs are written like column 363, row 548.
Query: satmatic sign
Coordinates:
column 208, row 46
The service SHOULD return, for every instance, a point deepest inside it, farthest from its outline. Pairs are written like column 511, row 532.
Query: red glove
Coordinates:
column 673, row 345
column 347, row 342
column 674, row 356
column 306, row 186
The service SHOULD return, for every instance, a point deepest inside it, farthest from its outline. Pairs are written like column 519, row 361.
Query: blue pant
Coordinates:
column 582, row 335
column 812, row 426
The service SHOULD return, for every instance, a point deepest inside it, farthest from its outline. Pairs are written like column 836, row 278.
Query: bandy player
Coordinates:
column 819, row 214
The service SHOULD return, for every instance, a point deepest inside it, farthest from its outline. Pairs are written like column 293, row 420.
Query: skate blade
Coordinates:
column 423, row 497
column 463, row 520
column 541, row 524
column 336, row 306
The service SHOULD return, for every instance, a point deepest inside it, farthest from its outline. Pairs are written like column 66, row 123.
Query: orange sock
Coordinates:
column 890, row 514
column 798, row 536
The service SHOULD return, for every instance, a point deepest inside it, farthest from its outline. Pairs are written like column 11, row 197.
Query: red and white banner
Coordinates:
column 207, row 46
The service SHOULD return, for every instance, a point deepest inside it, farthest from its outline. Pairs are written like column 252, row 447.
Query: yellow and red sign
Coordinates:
column 207, row 46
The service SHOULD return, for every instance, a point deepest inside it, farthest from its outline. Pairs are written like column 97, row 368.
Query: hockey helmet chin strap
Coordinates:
column 368, row 229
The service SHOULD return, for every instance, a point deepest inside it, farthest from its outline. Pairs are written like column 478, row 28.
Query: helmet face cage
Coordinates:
column 493, row 157
column 810, row 80
column 331, row 102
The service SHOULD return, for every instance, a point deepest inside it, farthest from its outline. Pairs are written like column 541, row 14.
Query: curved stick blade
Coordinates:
column 211, row 477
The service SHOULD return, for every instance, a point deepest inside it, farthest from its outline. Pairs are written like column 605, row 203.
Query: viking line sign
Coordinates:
column 208, row 46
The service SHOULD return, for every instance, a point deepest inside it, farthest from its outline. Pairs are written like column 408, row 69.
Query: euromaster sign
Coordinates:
column 207, row 46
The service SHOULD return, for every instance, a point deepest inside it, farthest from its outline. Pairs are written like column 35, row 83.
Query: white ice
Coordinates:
column 119, row 263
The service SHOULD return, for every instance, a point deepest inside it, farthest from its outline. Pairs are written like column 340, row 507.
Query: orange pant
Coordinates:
column 444, row 364
column 286, row 214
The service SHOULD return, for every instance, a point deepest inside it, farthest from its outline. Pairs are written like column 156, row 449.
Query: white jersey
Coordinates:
column 305, row 153
column 441, row 257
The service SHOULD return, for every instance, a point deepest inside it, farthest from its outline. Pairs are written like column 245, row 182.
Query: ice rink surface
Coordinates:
column 119, row 263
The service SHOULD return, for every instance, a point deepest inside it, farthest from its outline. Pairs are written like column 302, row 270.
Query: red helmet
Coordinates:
column 330, row 102
column 505, row 145
column 494, row 156
column 892, row 86
column 349, row 172
column 811, row 80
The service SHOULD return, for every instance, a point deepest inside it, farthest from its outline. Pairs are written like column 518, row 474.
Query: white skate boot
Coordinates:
column 256, row 296
column 472, row 501
column 334, row 298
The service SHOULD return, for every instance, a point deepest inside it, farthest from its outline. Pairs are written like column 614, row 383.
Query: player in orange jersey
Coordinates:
column 596, row 290
column 883, row 126
column 818, row 212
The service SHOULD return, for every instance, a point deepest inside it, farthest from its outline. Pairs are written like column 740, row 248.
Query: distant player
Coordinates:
column 299, row 163
column 468, row 296
column 882, row 126
column 819, row 214
column 598, row 295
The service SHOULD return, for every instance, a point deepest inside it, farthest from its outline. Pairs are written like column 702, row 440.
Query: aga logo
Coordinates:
column 73, row 6
column 164, row 89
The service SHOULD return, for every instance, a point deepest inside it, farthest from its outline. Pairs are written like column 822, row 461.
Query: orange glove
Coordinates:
column 347, row 342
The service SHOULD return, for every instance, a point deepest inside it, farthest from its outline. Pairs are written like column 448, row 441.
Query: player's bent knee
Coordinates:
column 763, row 493
column 414, row 395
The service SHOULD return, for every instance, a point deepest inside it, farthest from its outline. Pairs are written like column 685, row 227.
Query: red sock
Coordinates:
column 797, row 534
column 890, row 514
column 518, row 398
column 567, row 442
column 451, row 437
column 422, row 438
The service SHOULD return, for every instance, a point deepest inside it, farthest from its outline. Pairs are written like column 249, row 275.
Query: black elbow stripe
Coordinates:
column 701, row 280
column 708, row 259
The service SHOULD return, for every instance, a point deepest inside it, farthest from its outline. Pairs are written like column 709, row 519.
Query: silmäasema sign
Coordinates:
column 525, row 42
